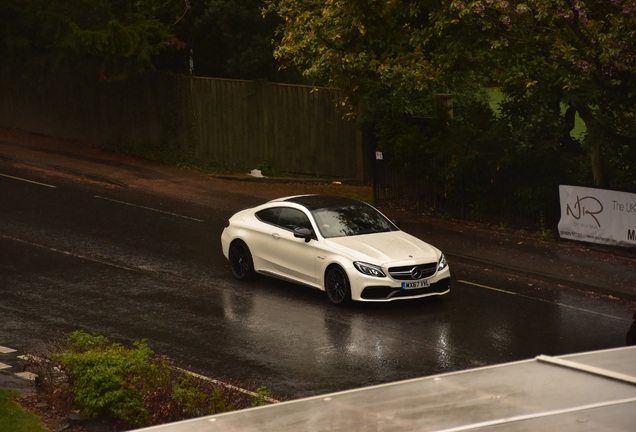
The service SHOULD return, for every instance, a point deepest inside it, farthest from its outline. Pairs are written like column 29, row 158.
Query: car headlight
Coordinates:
column 369, row 269
column 442, row 264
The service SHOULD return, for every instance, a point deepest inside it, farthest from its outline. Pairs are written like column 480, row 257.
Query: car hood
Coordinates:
column 385, row 248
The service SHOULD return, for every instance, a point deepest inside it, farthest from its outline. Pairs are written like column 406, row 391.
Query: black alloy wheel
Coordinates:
column 241, row 260
column 337, row 286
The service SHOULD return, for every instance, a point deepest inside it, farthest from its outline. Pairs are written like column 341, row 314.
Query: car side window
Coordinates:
column 291, row 218
column 284, row 217
column 269, row 215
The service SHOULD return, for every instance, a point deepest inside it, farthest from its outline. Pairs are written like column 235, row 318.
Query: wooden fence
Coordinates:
column 231, row 124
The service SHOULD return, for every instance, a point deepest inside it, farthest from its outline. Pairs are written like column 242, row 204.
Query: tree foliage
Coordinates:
column 114, row 39
column 360, row 46
column 549, row 58
column 580, row 54
column 110, row 38
column 230, row 39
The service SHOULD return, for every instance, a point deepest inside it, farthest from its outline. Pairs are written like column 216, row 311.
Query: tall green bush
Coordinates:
column 109, row 379
column 136, row 386
column 486, row 164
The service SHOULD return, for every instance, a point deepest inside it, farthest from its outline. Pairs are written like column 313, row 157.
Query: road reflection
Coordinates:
column 333, row 348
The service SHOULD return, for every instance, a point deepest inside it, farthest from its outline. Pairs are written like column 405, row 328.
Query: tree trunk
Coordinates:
column 594, row 142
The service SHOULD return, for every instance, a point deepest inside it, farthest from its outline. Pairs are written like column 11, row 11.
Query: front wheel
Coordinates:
column 337, row 286
column 241, row 260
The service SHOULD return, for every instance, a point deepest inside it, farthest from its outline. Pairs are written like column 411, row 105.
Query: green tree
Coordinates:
column 363, row 47
column 230, row 39
column 111, row 39
column 581, row 54
column 544, row 55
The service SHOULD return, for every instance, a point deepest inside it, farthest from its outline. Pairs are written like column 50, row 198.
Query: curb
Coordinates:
column 94, row 177
column 78, row 173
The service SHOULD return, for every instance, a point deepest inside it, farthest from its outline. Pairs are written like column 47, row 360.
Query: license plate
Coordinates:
column 422, row 283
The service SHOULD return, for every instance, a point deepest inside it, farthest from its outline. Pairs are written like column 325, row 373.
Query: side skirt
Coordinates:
column 288, row 279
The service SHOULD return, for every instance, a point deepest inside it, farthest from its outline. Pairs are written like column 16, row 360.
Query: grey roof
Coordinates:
column 582, row 392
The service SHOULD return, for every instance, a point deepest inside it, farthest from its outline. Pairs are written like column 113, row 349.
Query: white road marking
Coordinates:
column 28, row 181
column 488, row 287
column 541, row 300
column 6, row 350
column 70, row 253
column 149, row 208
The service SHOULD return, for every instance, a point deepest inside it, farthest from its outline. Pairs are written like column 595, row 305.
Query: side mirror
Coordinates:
column 303, row 233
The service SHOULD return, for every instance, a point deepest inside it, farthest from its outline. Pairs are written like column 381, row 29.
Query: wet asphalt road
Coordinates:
column 132, row 266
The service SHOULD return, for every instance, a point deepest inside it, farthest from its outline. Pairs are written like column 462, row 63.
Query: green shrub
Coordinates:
column 262, row 397
column 109, row 379
column 544, row 233
column 138, row 387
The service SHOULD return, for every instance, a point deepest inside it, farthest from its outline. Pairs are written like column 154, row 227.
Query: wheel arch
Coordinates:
column 250, row 270
column 348, row 293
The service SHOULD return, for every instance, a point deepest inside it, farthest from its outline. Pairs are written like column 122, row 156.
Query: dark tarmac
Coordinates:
column 588, row 267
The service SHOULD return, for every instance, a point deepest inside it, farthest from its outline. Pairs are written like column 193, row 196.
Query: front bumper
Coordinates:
column 389, row 293
column 366, row 288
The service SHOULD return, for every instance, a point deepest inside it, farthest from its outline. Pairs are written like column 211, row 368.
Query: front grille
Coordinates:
column 407, row 272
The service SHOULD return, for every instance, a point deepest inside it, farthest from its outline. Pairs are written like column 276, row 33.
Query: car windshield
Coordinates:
column 350, row 220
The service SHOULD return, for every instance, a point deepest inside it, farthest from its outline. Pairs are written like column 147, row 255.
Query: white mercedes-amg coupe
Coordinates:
column 342, row 246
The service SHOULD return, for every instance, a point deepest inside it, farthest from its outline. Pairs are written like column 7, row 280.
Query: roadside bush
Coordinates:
column 109, row 379
column 475, row 165
column 101, row 378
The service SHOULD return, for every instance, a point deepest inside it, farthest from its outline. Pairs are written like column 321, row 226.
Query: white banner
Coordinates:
column 598, row 216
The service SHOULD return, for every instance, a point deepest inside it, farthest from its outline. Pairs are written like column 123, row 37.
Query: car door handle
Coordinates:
column 276, row 235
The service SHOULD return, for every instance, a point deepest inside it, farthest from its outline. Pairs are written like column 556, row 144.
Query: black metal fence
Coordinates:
column 417, row 183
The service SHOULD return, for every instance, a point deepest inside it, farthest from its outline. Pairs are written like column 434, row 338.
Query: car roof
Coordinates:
column 314, row 202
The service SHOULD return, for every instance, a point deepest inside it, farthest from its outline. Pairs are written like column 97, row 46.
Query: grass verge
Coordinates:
column 14, row 418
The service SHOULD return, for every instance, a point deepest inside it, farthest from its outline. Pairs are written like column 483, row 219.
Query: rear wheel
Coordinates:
column 337, row 286
column 241, row 260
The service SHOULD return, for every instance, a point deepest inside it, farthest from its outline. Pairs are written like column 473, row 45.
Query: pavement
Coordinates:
column 597, row 269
